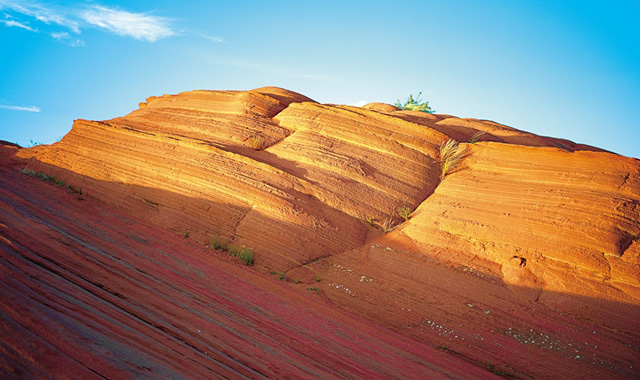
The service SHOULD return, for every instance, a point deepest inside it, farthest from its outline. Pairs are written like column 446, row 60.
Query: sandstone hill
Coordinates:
column 522, row 262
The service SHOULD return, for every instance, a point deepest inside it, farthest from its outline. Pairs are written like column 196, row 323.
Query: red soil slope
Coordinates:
column 90, row 293
column 523, row 261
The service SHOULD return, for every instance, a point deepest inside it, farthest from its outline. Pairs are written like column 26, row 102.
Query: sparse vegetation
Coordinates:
column 51, row 179
column 244, row 254
column 317, row 278
column 28, row 172
column 450, row 155
column 185, row 234
column 217, row 243
column 317, row 290
column 257, row 143
column 404, row 212
column 476, row 136
column 388, row 225
column 370, row 220
column 416, row 104
column 281, row 276
column 34, row 143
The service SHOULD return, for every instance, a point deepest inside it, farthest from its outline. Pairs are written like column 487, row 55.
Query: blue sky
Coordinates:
column 567, row 69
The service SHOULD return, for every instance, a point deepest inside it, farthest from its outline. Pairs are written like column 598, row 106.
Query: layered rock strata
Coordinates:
column 540, row 222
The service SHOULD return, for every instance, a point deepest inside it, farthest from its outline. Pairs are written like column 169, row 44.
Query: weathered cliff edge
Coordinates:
column 524, row 225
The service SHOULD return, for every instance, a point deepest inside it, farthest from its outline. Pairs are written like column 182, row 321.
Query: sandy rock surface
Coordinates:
column 523, row 261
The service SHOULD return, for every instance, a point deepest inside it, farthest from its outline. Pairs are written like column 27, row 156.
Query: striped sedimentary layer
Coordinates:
column 297, row 181
column 518, row 256
column 543, row 218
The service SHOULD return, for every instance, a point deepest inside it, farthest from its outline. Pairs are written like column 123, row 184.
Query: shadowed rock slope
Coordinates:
column 528, row 249
column 87, row 292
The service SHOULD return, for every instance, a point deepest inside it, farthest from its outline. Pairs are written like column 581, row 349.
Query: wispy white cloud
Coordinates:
column 137, row 25
column 17, row 24
column 67, row 39
column 42, row 13
column 18, row 108
column 59, row 35
column 141, row 26
column 213, row 39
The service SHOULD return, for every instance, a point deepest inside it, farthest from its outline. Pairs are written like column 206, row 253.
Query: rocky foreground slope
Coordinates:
column 522, row 262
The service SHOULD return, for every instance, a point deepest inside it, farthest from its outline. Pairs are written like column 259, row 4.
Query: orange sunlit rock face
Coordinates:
column 523, row 222
column 572, row 215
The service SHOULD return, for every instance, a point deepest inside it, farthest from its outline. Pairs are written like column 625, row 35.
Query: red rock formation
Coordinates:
column 89, row 293
column 518, row 255
column 572, row 215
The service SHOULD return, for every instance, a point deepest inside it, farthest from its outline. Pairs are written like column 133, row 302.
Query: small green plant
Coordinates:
column 370, row 220
column 404, row 212
column 416, row 104
column 217, row 243
column 450, row 155
column 281, row 276
column 28, row 172
column 43, row 177
column 51, row 179
column 185, row 234
column 388, row 225
column 33, row 143
column 244, row 254
column 317, row 278
column 296, row 280
column 317, row 290
column 257, row 143
column 476, row 136
column 58, row 182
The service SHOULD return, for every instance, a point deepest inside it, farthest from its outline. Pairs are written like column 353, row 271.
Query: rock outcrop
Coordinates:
column 523, row 223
